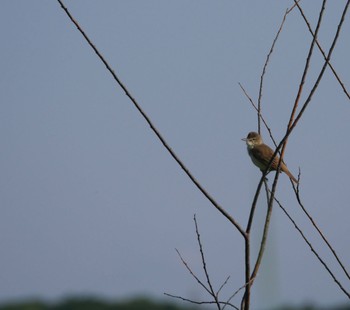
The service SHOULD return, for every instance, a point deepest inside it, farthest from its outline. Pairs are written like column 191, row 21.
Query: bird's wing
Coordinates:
column 265, row 153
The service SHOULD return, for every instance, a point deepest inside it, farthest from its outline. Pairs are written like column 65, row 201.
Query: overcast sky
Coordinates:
column 91, row 203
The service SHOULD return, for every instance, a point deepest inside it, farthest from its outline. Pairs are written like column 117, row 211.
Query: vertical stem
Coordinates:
column 266, row 229
column 246, row 298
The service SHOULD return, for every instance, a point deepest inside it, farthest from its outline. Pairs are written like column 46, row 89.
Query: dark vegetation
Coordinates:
column 90, row 303
column 94, row 304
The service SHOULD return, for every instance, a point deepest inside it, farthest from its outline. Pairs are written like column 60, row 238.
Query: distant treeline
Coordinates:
column 135, row 304
column 94, row 304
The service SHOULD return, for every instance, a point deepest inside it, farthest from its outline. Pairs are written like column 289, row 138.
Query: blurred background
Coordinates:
column 92, row 203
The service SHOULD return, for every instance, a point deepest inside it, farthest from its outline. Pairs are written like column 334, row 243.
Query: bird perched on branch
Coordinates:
column 261, row 155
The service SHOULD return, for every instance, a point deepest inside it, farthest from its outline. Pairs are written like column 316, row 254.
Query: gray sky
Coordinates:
column 90, row 200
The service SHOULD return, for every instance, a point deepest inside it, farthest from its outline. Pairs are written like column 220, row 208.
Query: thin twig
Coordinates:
column 266, row 64
column 303, row 78
column 322, row 52
column 308, row 100
column 212, row 292
column 222, row 286
column 297, row 194
column 312, row 248
column 302, row 110
column 154, row 129
column 192, row 273
column 259, row 113
column 235, row 293
column 201, row 302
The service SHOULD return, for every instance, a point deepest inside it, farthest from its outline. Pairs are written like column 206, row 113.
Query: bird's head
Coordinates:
column 253, row 139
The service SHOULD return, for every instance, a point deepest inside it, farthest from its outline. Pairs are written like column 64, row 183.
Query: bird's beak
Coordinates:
column 244, row 139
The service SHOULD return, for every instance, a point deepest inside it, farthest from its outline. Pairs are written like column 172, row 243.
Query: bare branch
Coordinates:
column 308, row 100
column 245, row 303
column 201, row 302
column 300, row 114
column 303, row 78
column 322, row 51
column 154, row 129
column 259, row 112
column 266, row 64
column 297, row 194
column 235, row 293
column 266, row 229
column 192, row 273
column 282, row 144
column 312, row 248
column 222, row 286
column 212, row 292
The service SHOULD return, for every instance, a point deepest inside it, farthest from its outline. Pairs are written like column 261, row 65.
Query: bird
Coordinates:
column 261, row 155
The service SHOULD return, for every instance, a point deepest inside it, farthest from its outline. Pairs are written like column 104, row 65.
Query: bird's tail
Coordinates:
column 291, row 176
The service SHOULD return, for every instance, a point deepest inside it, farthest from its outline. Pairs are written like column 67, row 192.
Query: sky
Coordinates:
column 92, row 203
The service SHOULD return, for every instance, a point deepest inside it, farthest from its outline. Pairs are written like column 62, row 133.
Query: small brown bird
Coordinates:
column 261, row 154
